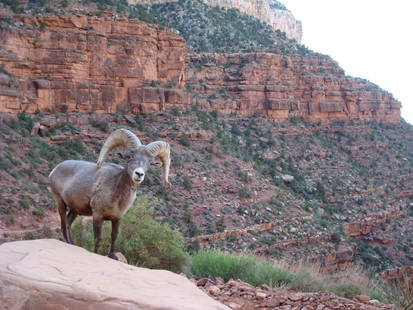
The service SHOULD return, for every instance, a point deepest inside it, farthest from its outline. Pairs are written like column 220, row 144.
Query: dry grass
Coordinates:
column 348, row 283
column 299, row 276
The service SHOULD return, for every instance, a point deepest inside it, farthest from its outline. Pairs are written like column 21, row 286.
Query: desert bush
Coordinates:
column 347, row 290
column 220, row 225
column 5, row 163
column 102, row 125
column 185, row 141
column 305, row 281
column 187, row 183
column 401, row 294
column 144, row 241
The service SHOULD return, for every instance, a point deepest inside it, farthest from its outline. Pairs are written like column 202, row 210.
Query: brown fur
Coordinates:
column 79, row 188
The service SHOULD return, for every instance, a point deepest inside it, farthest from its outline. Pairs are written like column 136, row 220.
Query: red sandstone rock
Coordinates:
column 239, row 295
column 363, row 298
column 106, row 64
column 279, row 87
column 83, row 63
column 213, row 290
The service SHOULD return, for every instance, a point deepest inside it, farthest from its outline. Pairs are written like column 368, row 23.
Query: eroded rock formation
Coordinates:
column 106, row 64
column 50, row 274
column 279, row 87
column 372, row 222
column 83, row 63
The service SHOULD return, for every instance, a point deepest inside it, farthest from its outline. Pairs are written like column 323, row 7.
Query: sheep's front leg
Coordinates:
column 115, row 231
column 97, row 231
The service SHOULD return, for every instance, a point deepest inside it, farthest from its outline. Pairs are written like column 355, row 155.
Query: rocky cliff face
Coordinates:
column 80, row 63
column 279, row 87
column 279, row 19
column 106, row 64
column 282, row 20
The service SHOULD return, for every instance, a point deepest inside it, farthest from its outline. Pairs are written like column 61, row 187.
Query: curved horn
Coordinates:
column 163, row 151
column 120, row 137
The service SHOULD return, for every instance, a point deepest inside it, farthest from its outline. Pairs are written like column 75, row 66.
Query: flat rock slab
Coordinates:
column 49, row 274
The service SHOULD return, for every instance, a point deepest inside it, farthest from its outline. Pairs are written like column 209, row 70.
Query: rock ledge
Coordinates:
column 50, row 274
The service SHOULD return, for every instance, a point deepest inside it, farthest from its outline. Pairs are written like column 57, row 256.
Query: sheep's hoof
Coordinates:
column 167, row 185
column 113, row 255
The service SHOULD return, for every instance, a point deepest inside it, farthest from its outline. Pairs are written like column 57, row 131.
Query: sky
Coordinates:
column 371, row 39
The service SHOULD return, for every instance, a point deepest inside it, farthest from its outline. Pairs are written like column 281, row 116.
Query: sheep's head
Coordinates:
column 137, row 161
column 137, row 156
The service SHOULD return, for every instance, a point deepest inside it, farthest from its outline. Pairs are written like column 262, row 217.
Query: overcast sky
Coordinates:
column 371, row 39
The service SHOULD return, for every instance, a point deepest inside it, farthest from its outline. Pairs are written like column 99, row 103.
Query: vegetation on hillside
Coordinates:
column 205, row 29
column 296, row 276
column 274, row 4
column 219, row 30
column 333, row 185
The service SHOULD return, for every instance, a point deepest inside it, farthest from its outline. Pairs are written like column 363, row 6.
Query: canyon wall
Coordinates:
column 279, row 87
column 279, row 19
column 83, row 63
column 107, row 64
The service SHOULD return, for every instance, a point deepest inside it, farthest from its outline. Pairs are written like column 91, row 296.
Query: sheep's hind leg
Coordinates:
column 62, row 212
column 71, row 216
column 97, row 231
column 115, row 231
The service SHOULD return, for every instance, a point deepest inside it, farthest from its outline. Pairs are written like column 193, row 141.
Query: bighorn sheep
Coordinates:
column 105, row 191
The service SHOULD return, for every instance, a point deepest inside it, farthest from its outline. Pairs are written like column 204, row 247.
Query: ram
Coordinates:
column 105, row 191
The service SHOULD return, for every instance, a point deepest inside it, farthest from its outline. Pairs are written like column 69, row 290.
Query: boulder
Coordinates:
column 287, row 178
column 50, row 274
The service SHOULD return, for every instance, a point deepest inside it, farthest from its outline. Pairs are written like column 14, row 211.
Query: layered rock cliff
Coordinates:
column 265, row 10
column 279, row 87
column 106, row 64
column 282, row 20
column 81, row 63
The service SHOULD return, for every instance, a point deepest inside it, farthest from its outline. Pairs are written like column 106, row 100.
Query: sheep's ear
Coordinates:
column 121, row 152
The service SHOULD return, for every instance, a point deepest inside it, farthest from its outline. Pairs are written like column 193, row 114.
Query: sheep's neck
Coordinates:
column 125, row 189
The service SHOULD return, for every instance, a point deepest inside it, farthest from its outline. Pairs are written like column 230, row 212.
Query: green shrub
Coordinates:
column 25, row 202
column 347, row 290
column 5, row 163
column 220, row 225
column 185, row 141
column 304, row 281
column 244, row 193
column 144, row 241
column 102, row 125
column 401, row 294
column 248, row 268
column 10, row 220
column 187, row 183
